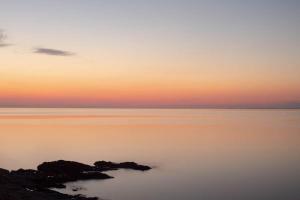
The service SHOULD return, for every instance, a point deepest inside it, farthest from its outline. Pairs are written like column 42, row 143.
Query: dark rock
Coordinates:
column 3, row 172
column 106, row 166
column 77, row 188
column 63, row 167
column 58, row 172
column 3, row 176
column 18, row 186
column 134, row 166
column 28, row 184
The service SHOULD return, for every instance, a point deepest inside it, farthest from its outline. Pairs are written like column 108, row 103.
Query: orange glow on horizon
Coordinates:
column 142, row 94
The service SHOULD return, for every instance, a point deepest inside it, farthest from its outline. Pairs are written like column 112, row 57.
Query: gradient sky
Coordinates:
column 142, row 53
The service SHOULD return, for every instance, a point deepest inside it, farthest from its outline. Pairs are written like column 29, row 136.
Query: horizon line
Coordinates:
column 160, row 107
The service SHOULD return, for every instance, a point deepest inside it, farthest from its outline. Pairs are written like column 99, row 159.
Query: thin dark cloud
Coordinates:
column 53, row 52
column 4, row 45
column 2, row 39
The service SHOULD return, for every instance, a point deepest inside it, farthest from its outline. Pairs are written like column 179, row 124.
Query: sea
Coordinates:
column 196, row 154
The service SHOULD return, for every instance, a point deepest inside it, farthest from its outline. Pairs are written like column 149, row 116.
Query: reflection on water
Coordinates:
column 197, row 154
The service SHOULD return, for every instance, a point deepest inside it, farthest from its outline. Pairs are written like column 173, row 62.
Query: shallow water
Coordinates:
column 196, row 154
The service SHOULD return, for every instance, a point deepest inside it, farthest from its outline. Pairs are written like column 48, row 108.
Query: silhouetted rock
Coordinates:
column 59, row 172
column 29, row 184
column 3, row 172
column 106, row 166
column 22, row 185
column 63, row 167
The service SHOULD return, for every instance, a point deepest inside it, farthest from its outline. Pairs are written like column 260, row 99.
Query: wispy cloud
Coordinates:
column 2, row 39
column 53, row 52
column 4, row 45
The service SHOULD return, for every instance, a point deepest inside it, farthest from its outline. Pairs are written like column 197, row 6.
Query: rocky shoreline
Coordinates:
column 29, row 184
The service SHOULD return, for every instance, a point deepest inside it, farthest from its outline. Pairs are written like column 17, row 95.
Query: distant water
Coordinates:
column 198, row 154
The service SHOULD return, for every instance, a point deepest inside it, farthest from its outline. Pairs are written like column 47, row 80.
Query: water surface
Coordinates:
column 197, row 153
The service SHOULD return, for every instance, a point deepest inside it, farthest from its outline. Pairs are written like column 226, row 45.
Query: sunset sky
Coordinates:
column 150, row 53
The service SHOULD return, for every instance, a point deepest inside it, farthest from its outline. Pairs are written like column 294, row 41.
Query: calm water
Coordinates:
column 197, row 154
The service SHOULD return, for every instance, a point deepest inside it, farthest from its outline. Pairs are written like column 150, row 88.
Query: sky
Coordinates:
column 158, row 53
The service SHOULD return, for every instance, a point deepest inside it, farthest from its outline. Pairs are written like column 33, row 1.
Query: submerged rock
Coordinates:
column 77, row 188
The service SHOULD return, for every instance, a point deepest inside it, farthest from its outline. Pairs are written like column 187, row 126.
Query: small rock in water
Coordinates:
column 77, row 188
column 106, row 166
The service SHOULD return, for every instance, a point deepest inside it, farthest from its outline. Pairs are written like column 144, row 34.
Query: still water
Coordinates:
column 197, row 154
